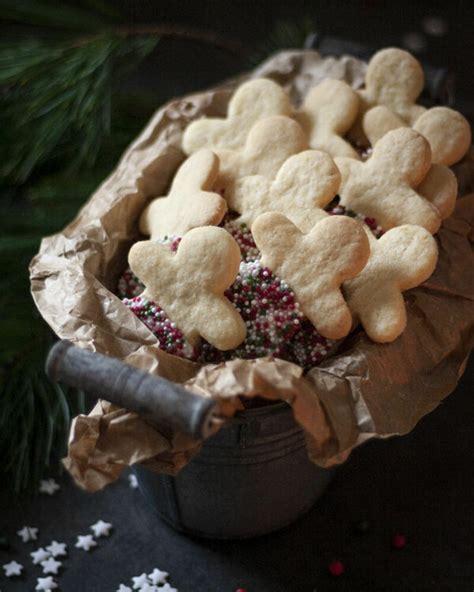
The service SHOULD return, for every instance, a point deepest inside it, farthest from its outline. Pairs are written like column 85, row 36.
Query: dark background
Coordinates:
column 189, row 66
column 421, row 485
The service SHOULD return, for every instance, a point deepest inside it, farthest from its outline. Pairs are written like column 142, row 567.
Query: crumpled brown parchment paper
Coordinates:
column 365, row 391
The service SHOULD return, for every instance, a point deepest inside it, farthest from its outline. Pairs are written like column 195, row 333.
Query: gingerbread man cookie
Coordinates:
column 449, row 136
column 447, row 131
column 252, row 101
column 383, row 187
column 401, row 259
column 270, row 142
column 189, row 203
column 315, row 265
column 328, row 112
column 190, row 284
column 305, row 183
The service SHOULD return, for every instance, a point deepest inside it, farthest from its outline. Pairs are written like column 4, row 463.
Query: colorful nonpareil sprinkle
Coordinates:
column 399, row 541
column 336, row 568
column 269, row 309
column 129, row 286
column 310, row 348
column 243, row 237
column 170, row 337
column 275, row 325
column 339, row 210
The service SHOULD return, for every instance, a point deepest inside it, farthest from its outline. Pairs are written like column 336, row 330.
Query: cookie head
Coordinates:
column 189, row 203
column 327, row 114
column 252, row 101
column 448, row 133
column 270, row 142
column 305, row 183
column 189, row 285
column 395, row 79
column 315, row 264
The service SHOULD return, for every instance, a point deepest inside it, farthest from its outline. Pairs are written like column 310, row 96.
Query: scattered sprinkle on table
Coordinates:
column 133, row 482
column 139, row 581
column 46, row 584
column 158, row 577
column 48, row 486
column 13, row 569
column 57, row 549
column 50, row 566
column 101, row 528
column 336, row 568
column 39, row 555
column 85, row 542
column 399, row 541
column 27, row 534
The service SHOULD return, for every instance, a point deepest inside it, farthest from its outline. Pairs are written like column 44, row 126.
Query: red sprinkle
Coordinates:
column 336, row 568
column 399, row 541
column 241, row 590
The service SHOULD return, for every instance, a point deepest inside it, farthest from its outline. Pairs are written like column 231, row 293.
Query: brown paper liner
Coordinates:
column 366, row 391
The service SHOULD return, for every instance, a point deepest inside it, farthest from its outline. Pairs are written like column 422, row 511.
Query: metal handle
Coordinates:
column 160, row 400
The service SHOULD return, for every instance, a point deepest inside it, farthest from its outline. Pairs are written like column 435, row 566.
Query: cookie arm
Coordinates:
column 380, row 120
column 220, row 324
column 198, row 172
column 440, row 187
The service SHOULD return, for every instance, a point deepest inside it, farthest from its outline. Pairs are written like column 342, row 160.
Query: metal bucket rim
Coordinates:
column 272, row 409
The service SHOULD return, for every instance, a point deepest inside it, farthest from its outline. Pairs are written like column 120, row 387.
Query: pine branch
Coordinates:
column 56, row 99
column 56, row 117
column 34, row 420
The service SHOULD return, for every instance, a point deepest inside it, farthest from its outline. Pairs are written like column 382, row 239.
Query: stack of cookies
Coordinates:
column 285, row 229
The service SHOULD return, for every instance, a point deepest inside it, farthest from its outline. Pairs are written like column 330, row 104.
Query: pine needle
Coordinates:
column 55, row 100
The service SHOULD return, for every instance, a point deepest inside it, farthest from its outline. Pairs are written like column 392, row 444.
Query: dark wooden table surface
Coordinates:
column 420, row 485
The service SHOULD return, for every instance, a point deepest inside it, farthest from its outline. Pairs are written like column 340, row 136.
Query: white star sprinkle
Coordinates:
column 27, row 534
column 48, row 486
column 13, row 569
column 139, row 581
column 40, row 555
column 46, row 584
column 57, row 549
column 158, row 577
column 167, row 588
column 132, row 479
column 85, row 542
column 50, row 566
column 124, row 588
column 101, row 528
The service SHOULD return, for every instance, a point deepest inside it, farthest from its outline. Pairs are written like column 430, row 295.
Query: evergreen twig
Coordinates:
column 56, row 115
column 56, row 99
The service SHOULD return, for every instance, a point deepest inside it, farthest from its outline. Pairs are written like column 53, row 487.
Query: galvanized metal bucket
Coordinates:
column 250, row 478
